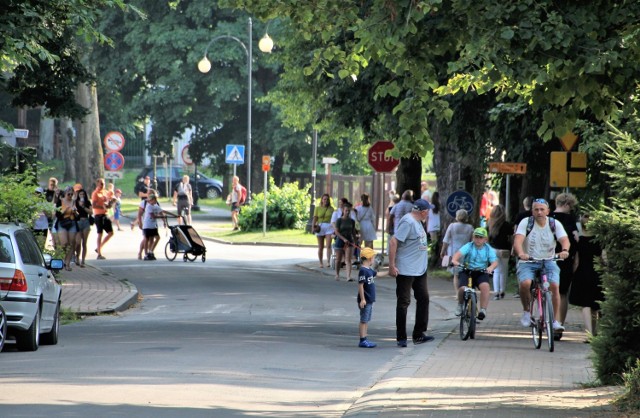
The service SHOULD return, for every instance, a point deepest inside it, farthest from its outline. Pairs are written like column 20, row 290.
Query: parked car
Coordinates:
column 207, row 187
column 29, row 292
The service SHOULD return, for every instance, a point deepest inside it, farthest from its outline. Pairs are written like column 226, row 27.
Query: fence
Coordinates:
column 337, row 186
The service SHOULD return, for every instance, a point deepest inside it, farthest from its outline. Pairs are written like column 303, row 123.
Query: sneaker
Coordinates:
column 401, row 343
column 525, row 319
column 423, row 339
column 482, row 314
column 148, row 257
column 367, row 344
column 459, row 309
column 152, row 257
column 101, row 257
column 557, row 326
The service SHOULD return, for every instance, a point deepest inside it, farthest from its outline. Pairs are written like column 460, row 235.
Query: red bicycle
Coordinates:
column 541, row 305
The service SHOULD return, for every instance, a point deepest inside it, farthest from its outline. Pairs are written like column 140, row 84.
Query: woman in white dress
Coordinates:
column 366, row 218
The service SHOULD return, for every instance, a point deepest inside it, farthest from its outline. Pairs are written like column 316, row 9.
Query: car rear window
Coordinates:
column 29, row 250
column 6, row 249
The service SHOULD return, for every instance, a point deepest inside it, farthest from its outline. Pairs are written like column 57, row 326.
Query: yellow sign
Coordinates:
column 568, row 169
column 568, row 141
column 508, row 168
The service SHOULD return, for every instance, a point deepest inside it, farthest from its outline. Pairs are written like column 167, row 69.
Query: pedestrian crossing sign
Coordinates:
column 234, row 154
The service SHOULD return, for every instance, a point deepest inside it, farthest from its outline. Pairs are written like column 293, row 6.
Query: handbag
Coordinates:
column 66, row 223
column 446, row 260
column 92, row 220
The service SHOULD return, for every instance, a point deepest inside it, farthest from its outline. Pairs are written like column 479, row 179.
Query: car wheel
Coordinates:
column 29, row 340
column 213, row 193
column 51, row 337
column 3, row 327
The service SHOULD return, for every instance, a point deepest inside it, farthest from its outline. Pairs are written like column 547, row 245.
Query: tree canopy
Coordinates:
column 567, row 60
column 41, row 50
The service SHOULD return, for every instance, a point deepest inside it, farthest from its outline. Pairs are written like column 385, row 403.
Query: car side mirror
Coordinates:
column 56, row 264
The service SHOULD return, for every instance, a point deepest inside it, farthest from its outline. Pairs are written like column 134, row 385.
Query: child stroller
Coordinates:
column 185, row 239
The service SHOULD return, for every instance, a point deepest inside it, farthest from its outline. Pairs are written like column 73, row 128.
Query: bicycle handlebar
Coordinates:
column 534, row 260
column 463, row 268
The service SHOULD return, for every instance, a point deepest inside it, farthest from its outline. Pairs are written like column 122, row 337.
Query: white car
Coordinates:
column 29, row 293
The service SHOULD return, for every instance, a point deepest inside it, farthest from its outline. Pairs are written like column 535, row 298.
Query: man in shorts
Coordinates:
column 539, row 242
column 100, row 202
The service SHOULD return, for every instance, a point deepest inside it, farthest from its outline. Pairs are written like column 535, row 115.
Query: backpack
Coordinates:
column 243, row 195
column 552, row 224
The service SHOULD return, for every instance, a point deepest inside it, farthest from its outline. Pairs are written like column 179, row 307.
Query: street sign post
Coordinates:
column 114, row 161
column 378, row 158
column 457, row 200
column 113, row 141
column 508, row 168
column 185, row 155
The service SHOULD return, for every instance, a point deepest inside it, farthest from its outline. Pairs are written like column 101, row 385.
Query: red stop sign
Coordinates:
column 378, row 159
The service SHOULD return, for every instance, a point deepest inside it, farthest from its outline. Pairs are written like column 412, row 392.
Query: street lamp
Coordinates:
column 204, row 66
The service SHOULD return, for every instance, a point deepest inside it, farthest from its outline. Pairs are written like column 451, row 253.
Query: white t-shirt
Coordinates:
column 540, row 243
column 148, row 221
column 433, row 223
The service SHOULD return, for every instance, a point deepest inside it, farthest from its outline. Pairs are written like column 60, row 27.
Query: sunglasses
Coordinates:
column 544, row 202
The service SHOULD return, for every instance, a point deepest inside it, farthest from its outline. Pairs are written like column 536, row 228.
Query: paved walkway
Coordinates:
column 499, row 374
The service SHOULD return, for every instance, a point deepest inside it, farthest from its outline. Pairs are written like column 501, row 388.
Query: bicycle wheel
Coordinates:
column 536, row 316
column 467, row 318
column 548, row 319
column 169, row 251
column 473, row 314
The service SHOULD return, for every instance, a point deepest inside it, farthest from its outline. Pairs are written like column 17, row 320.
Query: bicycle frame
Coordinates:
column 541, row 306
column 469, row 308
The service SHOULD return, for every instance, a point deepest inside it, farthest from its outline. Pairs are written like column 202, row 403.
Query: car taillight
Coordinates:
column 17, row 283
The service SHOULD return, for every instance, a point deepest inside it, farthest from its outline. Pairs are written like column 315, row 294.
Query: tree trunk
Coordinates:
column 68, row 150
column 47, row 135
column 90, row 158
column 452, row 165
column 409, row 175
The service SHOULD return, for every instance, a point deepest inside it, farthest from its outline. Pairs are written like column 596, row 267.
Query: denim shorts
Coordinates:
column 527, row 271
column 365, row 313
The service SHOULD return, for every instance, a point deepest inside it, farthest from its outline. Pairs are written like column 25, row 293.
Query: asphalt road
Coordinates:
column 245, row 333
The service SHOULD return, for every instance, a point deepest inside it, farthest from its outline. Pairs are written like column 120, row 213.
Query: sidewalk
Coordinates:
column 498, row 374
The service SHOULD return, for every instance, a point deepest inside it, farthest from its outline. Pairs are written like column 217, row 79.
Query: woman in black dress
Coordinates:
column 586, row 289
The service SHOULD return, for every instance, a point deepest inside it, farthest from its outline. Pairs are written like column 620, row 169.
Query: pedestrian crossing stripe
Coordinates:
column 234, row 154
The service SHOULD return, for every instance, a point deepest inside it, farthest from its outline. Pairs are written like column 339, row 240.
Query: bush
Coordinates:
column 19, row 201
column 617, row 345
column 287, row 208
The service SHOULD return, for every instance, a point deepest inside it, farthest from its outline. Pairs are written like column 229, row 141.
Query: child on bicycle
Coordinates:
column 481, row 258
column 366, row 294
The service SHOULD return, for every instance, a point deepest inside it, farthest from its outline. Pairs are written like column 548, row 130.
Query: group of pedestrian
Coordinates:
column 75, row 212
column 351, row 227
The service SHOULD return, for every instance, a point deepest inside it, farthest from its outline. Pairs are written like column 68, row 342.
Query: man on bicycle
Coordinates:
column 537, row 239
column 476, row 256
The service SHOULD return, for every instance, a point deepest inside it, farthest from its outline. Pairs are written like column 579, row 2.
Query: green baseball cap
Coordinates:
column 480, row 232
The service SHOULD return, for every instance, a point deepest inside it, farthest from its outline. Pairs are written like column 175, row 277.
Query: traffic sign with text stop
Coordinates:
column 378, row 158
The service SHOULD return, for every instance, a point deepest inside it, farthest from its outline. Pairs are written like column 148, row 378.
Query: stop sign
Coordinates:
column 378, row 159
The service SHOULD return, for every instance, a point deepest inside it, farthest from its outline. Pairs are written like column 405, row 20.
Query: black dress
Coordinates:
column 586, row 288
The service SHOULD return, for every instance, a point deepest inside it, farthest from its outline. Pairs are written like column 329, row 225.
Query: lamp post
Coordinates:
column 204, row 66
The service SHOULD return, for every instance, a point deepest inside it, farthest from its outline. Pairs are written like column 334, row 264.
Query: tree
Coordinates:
column 40, row 60
column 558, row 59
column 155, row 78
column 617, row 346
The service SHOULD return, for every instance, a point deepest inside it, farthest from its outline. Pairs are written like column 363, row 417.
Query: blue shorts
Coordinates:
column 365, row 313
column 527, row 271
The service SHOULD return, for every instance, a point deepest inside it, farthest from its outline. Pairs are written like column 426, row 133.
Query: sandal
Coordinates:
column 68, row 268
column 337, row 278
